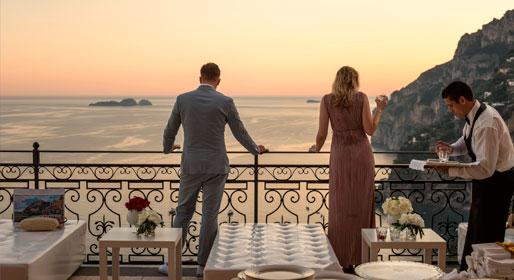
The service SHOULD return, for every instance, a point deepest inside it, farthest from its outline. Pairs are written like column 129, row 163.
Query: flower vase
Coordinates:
column 150, row 232
column 410, row 235
column 391, row 219
column 133, row 217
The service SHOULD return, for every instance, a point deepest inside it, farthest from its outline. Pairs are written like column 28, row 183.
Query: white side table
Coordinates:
column 431, row 240
column 117, row 238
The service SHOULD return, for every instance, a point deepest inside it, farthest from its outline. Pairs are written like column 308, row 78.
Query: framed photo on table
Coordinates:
column 38, row 203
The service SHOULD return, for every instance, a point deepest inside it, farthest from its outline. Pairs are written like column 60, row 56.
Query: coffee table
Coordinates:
column 118, row 238
column 431, row 240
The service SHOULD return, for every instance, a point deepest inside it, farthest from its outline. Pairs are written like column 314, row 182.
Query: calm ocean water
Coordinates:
column 279, row 123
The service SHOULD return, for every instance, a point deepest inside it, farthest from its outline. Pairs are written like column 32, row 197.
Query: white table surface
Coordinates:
column 431, row 240
column 123, row 235
column 116, row 238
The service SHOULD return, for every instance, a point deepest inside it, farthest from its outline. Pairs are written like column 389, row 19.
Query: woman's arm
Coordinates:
column 370, row 123
column 322, row 129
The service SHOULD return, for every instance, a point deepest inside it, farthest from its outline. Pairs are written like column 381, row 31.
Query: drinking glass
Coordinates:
column 443, row 153
column 381, row 233
column 395, row 233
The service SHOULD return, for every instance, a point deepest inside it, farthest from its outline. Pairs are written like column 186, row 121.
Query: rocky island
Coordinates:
column 124, row 102
column 313, row 101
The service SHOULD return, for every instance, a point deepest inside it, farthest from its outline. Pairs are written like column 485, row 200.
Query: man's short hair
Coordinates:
column 456, row 89
column 210, row 72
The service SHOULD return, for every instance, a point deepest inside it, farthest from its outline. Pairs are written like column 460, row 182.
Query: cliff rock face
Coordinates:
column 477, row 57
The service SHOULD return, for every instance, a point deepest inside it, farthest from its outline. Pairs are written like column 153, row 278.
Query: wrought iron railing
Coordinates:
column 254, row 193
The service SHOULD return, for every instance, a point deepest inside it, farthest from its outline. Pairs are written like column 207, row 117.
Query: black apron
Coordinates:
column 490, row 201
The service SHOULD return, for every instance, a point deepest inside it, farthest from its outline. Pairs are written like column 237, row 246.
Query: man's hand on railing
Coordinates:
column 262, row 150
column 175, row 147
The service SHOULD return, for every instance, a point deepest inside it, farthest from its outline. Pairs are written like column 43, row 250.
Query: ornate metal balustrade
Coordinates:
column 255, row 193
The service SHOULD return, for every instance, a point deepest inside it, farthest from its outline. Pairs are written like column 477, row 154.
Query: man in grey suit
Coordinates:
column 204, row 113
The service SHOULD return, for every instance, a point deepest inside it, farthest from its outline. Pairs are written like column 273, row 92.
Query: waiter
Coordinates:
column 486, row 139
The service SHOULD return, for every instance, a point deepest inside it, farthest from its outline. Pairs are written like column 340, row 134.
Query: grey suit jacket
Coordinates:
column 204, row 113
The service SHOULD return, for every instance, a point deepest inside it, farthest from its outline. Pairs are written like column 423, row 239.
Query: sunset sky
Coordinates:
column 265, row 47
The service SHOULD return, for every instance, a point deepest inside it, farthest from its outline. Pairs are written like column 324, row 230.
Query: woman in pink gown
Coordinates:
column 352, row 166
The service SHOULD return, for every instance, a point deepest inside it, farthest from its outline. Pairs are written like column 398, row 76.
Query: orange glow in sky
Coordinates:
column 266, row 47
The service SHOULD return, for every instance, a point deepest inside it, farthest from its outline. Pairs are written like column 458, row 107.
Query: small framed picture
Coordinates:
column 38, row 203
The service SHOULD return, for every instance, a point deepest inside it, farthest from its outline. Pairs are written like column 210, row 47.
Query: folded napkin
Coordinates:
column 496, row 253
column 479, row 248
column 488, row 260
column 417, row 164
column 500, row 267
column 454, row 275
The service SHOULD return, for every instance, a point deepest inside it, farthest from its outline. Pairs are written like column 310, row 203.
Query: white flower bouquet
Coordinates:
column 413, row 222
column 148, row 221
column 396, row 206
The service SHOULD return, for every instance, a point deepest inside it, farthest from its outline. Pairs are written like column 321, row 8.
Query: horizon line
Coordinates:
column 121, row 97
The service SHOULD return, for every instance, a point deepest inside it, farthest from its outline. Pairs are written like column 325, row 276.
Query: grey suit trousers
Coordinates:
column 212, row 186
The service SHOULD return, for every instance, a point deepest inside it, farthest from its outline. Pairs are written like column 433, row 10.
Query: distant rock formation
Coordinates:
column 144, row 102
column 124, row 102
column 313, row 101
column 478, row 56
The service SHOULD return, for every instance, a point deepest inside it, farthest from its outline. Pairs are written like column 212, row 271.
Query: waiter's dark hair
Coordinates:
column 457, row 89
column 210, row 72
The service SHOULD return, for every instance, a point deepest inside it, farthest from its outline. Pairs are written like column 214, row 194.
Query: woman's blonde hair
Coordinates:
column 345, row 84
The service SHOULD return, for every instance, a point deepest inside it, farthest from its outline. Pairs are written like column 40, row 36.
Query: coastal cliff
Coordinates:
column 483, row 59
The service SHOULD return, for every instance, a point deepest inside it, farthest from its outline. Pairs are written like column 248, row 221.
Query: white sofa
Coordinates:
column 41, row 255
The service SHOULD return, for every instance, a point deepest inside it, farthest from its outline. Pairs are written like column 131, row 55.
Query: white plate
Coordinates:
column 334, row 275
column 277, row 272
column 392, row 270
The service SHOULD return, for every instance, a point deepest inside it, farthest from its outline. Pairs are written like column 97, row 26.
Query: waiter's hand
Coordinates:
column 440, row 144
column 442, row 169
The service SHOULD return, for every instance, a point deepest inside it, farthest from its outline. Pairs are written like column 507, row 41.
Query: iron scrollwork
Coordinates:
column 271, row 193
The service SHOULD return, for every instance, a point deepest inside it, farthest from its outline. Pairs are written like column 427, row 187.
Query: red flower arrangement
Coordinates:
column 137, row 203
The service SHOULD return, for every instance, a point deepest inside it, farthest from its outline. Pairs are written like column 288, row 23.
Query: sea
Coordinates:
column 282, row 124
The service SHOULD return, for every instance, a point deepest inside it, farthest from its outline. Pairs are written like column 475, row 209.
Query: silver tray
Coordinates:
column 393, row 270
column 274, row 272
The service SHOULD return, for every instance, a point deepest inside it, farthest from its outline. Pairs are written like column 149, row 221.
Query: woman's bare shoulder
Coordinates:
column 327, row 98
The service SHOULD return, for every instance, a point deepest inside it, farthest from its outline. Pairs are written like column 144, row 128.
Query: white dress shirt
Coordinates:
column 491, row 144
column 208, row 85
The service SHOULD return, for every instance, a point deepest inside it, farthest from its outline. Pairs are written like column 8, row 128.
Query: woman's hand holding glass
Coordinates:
column 381, row 101
column 313, row 149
